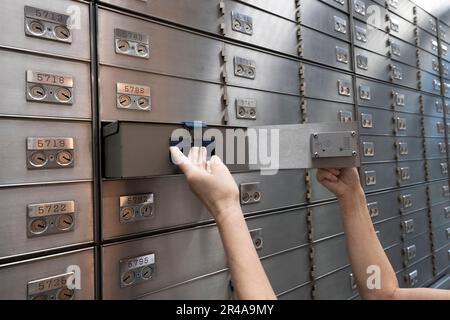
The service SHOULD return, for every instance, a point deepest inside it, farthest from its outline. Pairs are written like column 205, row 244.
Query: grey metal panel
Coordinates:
column 272, row 73
column 211, row 287
column 446, row 85
column 414, row 146
column 125, row 142
column 413, row 124
column 386, row 176
column 430, row 83
column 438, row 192
column 444, row 32
column 381, row 121
column 401, row 28
column 13, row 34
column 314, row 111
column 13, row 208
column 387, row 205
column 445, row 67
column 404, row 8
column 434, row 127
column 329, row 255
column 318, row 47
column 445, row 52
column 440, row 214
column 388, row 232
column 370, row 38
column 417, row 199
column 282, row 8
column 13, row 158
column 437, row 169
column 428, row 62
column 324, row 84
column 424, row 273
column 15, row 66
column 409, row 75
column 15, row 276
column 419, row 220
column 203, row 14
column 267, row 29
column 326, row 221
column 319, row 16
column 435, row 148
column 380, row 94
column 422, row 248
column 271, row 108
column 317, row 191
column 338, row 4
column 416, row 172
column 402, row 51
column 441, row 236
column 301, row 293
column 288, row 269
column 432, row 106
column 425, row 21
column 442, row 261
column 372, row 65
column 427, row 41
column 394, row 254
column 374, row 14
column 336, row 286
column 377, row 148
column 191, row 55
column 411, row 100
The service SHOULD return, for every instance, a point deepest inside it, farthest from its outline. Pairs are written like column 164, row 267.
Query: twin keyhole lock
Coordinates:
column 62, row 95
column 37, row 28
column 39, row 159
column 125, row 47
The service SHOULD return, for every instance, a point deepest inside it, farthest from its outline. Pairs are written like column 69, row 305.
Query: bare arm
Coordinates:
column 363, row 245
column 214, row 185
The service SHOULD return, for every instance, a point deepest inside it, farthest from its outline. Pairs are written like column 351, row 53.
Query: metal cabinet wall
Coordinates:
column 87, row 78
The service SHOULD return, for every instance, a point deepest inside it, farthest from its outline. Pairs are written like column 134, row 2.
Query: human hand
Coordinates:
column 344, row 183
column 210, row 180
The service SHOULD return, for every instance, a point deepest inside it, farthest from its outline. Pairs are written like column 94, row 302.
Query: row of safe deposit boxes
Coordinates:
column 92, row 91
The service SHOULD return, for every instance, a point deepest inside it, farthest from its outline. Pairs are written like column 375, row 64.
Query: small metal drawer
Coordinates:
column 317, row 47
column 325, row 220
column 430, row 83
column 434, row 127
column 432, row 106
column 439, row 191
column 407, row 124
column 380, row 94
column 395, row 256
column 401, row 28
column 417, row 275
column 388, row 232
column 404, row 8
column 415, row 249
column 378, row 176
column 427, row 41
column 301, row 293
column 314, row 111
column 405, row 100
column 330, row 255
column 370, row 38
column 410, row 172
column 404, row 75
column 44, row 278
column 402, row 51
column 425, row 20
column 372, row 65
column 409, row 148
column 440, row 214
column 437, row 169
column 444, row 32
column 383, row 205
column 442, row 259
column 326, row 84
column 375, row 121
column 338, row 285
column 441, row 236
column 412, row 199
column 377, row 148
column 414, row 224
column 365, row 10
column 428, row 62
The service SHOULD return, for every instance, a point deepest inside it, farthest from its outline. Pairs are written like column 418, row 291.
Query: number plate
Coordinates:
column 132, row 43
column 136, row 207
column 50, row 152
column 133, row 97
column 49, row 88
column 242, row 23
column 51, row 288
column 48, row 25
column 244, row 68
column 50, row 218
column 137, row 270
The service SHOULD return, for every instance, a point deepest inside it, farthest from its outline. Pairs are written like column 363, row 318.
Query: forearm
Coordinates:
column 364, row 248
column 248, row 276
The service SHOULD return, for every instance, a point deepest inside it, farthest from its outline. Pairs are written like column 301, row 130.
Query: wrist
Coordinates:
column 229, row 214
column 355, row 198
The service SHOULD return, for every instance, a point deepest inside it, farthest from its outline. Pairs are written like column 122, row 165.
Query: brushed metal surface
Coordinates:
column 14, row 134
column 409, row 75
column 403, row 52
column 432, row 106
column 425, row 21
column 442, row 260
column 370, row 38
column 413, row 124
column 437, row 169
column 336, row 286
column 418, row 197
column 13, row 34
column 382, row 122
column 190, row 55
column 424, row 273
column 329, row 255
column 13, row 204
column 380, row 94
column 16, row 276
column 423, row 248
column 401, row 28
column 440, row 236
column 300, row 293
column 386, row 176
column 414, row 146
column 373, row 14
column 383, row 148
column 15, row 65
column 430, row 83
column 440, row 214
column 428, row 62
column 438, row 192
column 371, row 65
column 285, row 8
column 314, row 111
column 434, row 127
column 419, row 220
column 404, row 8
column 427, row 41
